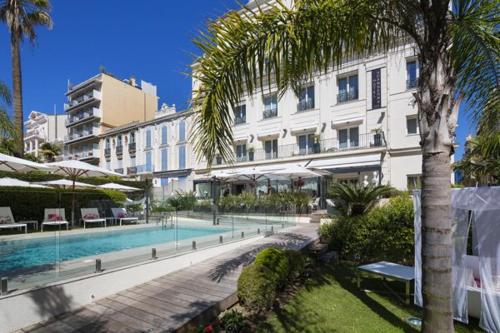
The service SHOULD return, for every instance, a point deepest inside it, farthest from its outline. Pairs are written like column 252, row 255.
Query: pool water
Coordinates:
column 31, row 255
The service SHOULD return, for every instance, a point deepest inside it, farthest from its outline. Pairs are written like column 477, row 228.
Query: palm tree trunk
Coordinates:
column 18, row 95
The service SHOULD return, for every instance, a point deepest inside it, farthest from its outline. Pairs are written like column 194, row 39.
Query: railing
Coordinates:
column 107, row 152
column 240, row 120
column 119, row 150
column 119, row 170
column 346, row 96
column 82, row 99
column 94, row 153
column 304, row 105
column 270, row 113
column 411, row 83
column 83, row 115
column 363, row 141
column 131, row 147
column 131, row 170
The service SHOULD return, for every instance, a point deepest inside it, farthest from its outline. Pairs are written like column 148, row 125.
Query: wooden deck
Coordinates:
column 169, row 303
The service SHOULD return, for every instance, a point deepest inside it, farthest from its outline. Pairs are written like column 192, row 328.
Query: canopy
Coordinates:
column 297, row 171
column 346, row 162
column 19, row 183
column 119, row 187
column 15, row 164
column 74, row 169
column 64, row 183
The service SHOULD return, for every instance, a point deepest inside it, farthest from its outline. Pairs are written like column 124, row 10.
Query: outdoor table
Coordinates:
column 391, row 271
column 33, row 222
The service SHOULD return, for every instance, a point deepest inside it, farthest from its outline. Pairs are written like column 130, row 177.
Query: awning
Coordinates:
column 172, row 173
column 347, row 121
column 268, row 136
column 346, row 162
column 304, row 130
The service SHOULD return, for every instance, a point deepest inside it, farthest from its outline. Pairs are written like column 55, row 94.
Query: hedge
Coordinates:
column 29, row 204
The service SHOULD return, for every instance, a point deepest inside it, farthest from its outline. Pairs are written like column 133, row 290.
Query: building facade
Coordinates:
column 358, row 122
column 101, row 103
column 157, row 149
column 42, row 127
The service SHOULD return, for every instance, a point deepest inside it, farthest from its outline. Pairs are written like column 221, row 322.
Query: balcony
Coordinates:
column 81, row 135
column 270, row 113
column 411, row 83
column 83, row 116
column 305, row 105
column 119, row 150
column 363, row 141
column 131, row 148
column 94, row 95
column 131, row 170
column 107, row 152
column 84, row 155
column 119, row 170
column 346, row 96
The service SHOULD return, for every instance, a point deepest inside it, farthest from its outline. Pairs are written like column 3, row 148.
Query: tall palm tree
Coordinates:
column 21, row 17
column 458, row 51
column 7, row 128
column 50, row 151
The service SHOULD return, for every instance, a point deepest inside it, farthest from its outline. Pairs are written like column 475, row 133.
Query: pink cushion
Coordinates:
column 55, row 217
column 5, row 220
column 91, row 216
column 120, row 215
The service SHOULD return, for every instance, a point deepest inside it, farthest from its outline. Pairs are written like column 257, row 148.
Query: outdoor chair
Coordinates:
column 7, row 220
column 54, row 216
column 120, row 214
column 91, row 216
column 314, row 204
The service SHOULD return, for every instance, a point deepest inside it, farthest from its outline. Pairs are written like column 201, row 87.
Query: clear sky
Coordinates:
column 150, row 39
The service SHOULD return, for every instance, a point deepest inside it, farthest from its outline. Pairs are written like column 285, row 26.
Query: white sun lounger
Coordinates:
column 7, row 220
column 120, row 214
column 91, row 216
column 54, row 216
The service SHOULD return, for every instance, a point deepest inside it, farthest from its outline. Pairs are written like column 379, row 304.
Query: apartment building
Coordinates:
column 100, row 103
column 157, row 149
column 42, row 127
column 358, row 122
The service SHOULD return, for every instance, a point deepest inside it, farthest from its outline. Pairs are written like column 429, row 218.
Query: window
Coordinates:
column 348, row 88
column 164, row 135
column 119, row 141
column 132, row 137
column 348, row 137
column 164, row 159
column 241, row 152
column 306, row 144
column 306, row 99
column 414, row 182
column 182, row 157
column 240, row 114
column 376, row 89
column 271, row 149
column 149, row 162
column 182, row 130
column 411, row 74
column 108, row 143
column 270, row 106
column 411, row 126
column 148, row 138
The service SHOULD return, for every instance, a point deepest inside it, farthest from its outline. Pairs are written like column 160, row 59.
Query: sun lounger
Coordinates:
column 91, row 216
column 7, row 220
column 120, row 214
column 54, row 216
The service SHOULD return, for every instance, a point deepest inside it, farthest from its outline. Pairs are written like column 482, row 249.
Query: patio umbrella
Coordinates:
column 6, row 181
column 65, row 182
column 118, row 187
column 297, row 171
column 15, row 164
column 74, row 169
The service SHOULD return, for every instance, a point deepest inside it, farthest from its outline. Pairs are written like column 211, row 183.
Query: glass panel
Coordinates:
column 310, row 143
column 182, row 130
column 353, row 87
column 411, row 125
column 342, row 89
column 148, row 138
column 164, row 137
column 275, row 148
column 182, row 157
column 343, row 138
column 302, row 144
column 164, row 159
column 148, row 162
column 411, row 74
column 354, row 136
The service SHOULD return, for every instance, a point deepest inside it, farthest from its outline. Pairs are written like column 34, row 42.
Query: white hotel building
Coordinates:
column 41, row 128
column 156, row 149
column 358, row 122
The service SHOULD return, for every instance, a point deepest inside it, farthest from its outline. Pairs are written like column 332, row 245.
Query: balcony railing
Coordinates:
column 78, row 135
column 363, row 141
column 119, row 170
column 119, row 150
column 307, row 104
column 93, row 95
column 107, row 152
column 82, row 116
column 131, row 170
column 240, row 120
column 270, row 113
column 131, row 147
column 411, row 83
column 346, row 96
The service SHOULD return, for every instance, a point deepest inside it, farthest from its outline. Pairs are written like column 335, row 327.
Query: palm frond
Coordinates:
column 5, row 96
column 22, row 16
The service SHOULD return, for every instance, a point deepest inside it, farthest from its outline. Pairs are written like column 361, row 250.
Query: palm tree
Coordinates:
column 357, row 199
column 7, row 129
column 458, row 51
column 21, row 17
column 50, row 151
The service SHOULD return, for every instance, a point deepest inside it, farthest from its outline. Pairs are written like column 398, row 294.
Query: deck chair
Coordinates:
column 54, row 216
column 120, row 214
column 91, row 216
column 7, row 220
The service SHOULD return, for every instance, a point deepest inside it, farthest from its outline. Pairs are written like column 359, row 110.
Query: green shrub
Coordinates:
column 116, row 196
column 326, row 229
column 233, row 321
column 386, row 233
column 296, row 264
column 276, row 261
column 256, row 290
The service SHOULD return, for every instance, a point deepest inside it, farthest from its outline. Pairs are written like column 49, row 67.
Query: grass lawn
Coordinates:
column 330, row 302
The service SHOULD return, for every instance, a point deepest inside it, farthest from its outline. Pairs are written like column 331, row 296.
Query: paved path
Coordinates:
column 169, row 302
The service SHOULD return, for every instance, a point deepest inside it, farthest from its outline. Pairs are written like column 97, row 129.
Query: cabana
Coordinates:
column 476, row 269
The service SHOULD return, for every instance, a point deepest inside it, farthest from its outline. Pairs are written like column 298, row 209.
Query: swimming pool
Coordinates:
column 39, row 254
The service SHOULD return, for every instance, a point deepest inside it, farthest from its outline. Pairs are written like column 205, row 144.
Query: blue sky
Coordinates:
column 150, row 39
